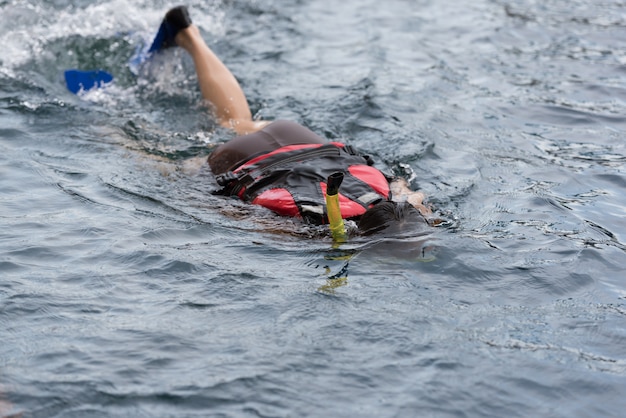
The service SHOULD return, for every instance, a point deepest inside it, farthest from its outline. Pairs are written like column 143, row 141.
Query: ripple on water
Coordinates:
column 128, row 290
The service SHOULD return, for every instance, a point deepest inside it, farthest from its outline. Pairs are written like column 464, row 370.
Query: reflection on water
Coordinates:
column 129, row 290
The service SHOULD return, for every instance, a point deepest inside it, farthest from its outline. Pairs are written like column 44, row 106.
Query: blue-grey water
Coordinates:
column 128, row 290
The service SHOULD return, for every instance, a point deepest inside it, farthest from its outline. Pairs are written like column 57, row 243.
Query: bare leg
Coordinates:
column 218, row 85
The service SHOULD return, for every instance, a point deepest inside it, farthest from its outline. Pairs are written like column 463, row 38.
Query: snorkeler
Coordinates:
column 282, row 165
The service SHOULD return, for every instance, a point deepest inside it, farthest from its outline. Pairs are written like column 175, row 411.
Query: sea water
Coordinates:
column 128, row 290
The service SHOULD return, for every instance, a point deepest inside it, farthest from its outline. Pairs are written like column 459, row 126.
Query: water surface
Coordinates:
column 127, row 289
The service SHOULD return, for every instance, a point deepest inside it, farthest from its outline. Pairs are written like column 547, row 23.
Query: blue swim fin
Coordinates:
column 175, row 20
column 161, row 39
column 77, row 80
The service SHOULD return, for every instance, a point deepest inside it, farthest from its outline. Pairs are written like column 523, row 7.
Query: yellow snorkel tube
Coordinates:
column 337, row 228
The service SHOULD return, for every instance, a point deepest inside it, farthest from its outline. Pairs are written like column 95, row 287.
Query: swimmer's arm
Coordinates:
column 401, row 192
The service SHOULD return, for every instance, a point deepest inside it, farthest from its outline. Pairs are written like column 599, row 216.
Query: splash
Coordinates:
column 29, row 26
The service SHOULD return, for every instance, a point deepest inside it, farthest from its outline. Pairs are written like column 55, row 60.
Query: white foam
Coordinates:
column 30, row 25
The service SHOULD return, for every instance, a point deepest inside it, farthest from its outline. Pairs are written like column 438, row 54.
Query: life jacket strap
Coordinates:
column 234, row 182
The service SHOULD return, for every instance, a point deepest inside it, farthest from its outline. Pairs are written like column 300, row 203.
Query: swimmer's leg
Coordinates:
column 217, row 84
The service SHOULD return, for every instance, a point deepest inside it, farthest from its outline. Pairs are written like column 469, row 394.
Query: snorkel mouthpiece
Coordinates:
column 337, row 228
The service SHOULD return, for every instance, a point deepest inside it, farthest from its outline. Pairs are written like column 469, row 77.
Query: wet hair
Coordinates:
column 392, row 218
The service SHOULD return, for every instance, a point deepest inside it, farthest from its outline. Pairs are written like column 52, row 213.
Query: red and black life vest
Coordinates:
column 291, row 181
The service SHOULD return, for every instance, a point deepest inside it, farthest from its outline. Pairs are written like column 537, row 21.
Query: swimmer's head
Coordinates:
column 391, row 218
